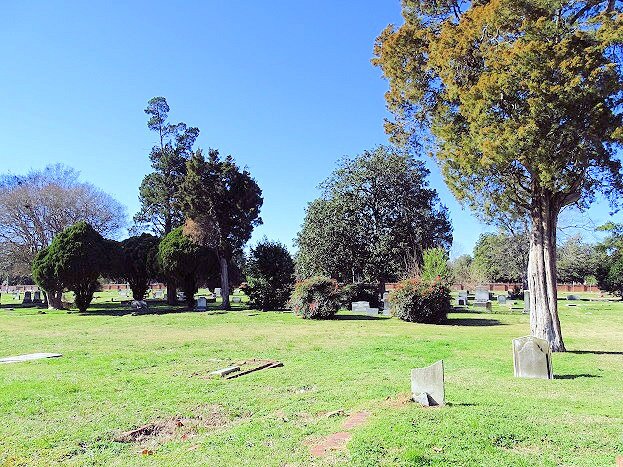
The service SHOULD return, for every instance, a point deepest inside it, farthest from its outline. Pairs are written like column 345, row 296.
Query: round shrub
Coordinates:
column 359, row 292
column 420, row 302
column 316, row 298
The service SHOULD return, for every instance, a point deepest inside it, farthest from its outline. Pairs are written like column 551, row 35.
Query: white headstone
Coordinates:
column 427, row 384
column 360, row 306
column 532, row 358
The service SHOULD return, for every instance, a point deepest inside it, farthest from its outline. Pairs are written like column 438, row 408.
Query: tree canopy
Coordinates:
column 373, row 221
column 74, row 261
column 502, row 257
column 137, row 263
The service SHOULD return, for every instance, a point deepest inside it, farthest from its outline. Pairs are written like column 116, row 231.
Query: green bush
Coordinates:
column 421, row 302
column 316, row 298
column 270, row 275
column 359, row 292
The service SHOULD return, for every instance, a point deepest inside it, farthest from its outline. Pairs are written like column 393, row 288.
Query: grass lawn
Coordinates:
column 119, row 372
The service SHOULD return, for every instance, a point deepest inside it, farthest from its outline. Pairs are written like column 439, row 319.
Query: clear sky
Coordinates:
column 286, row 87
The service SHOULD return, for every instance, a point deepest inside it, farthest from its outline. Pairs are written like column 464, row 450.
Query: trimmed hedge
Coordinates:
column 421, row 302
column 316, row 298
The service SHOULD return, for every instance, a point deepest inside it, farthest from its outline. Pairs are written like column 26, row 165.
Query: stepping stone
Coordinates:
column 332, row 442
column 355, row 419
column 28, row 357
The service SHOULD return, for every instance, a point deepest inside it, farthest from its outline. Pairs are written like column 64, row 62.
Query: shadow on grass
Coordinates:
column 355, row 317
column 155, row 308
column 575, row 376
column 472, row 322
column 594, row 352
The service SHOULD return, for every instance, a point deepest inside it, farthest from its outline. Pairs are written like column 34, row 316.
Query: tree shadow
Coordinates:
column 155, row 308
column 575, row 376
column 594, row 352
column 355, row 317
column 472, row 322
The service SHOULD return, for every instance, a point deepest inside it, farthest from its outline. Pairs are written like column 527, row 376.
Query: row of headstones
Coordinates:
column 29, row 298
column 482, row 298
column 532, row 358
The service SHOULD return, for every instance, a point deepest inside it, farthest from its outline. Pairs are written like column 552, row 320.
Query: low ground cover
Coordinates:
column 121, row 372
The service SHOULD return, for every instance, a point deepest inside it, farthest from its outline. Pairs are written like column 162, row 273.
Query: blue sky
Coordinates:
column 286, row 87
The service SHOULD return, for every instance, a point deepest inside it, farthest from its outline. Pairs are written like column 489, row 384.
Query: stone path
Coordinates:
column 28, row 357
column 337, row 441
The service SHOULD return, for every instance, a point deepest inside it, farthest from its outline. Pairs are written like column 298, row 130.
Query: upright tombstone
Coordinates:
column 202, row 304
column 387, row 306
column 462, row 298
column 532, row 358
column 37, row 297
column 427, row 385
column 526, row 301
column 27, row 298
column 502, row 299
column 217, row 292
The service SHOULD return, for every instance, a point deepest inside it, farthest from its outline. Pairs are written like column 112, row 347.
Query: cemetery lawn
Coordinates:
column 119, row 373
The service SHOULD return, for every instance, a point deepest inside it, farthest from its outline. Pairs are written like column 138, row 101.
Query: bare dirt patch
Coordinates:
column 163, row 430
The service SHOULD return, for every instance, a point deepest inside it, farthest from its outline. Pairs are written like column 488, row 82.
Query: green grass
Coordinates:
column 119, row 372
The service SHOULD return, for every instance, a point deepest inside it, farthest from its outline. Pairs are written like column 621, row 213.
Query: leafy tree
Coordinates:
column 270, row 275
column 435, row 266
column 577, row 260
column 138, row 263
column 222, row 204
column 74, row 260
column 44, row 275
column 185, row 262
column 373, row 221
column 610, row 274
column 519, row 124
column 159, row 191
column 36, row 207
column 502, row 257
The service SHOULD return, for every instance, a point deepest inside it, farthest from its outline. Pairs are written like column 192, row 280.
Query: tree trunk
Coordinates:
column 224, row 281
column 171, row 293
column 55, row 300
column 544, row 322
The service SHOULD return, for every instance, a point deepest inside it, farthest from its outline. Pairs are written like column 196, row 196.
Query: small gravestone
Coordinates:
column 526, row 301
column 462, row 298
column 532, row 358
column 502, row 299
column 181, row 296
column 37, row 297
column 387, row 306
column 202, row 304
column 360, row 306
column 572, row 297
column 158, row 294
column 217, row 292
column 139, row 305
column 236, row 300
column 27, row 298
column 427, row 385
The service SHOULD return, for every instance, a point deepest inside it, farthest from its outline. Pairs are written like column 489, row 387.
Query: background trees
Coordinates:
column 502, row 257
column 270, row 275
column 520, row 125
column 222, row 205
column 37, row 206
column 375, row 217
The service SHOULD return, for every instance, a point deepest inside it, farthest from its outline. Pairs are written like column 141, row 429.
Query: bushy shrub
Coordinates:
column 359, row 292
column 270, row 275
column 315, row 298
column 421, row 302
